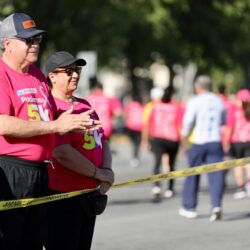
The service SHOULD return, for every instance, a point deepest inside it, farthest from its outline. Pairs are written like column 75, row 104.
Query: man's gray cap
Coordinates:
column 19, row 25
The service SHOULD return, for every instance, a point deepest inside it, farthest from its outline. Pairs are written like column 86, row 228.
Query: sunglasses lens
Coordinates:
column 70, row 71
column 78, row 70
column 34, row 40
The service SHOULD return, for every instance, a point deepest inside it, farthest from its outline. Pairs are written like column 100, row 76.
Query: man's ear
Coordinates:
column 5, row 43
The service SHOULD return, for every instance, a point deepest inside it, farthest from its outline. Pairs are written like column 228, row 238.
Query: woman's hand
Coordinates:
column 104, row 187
column 105, row 175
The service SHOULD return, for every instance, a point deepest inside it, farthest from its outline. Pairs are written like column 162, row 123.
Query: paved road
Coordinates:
column 132, row 222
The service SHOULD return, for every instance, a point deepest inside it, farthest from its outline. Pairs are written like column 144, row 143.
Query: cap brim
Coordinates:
column 31, row 33
column 78, row 62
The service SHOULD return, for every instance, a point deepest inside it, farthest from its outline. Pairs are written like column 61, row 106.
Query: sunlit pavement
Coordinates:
column 133, row 222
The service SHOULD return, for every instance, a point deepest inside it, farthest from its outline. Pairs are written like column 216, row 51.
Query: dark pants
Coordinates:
column 135, row 137
column 240, row 149
column 69, row 227
column 22, row 228
column 159, row 147
column 198, row 155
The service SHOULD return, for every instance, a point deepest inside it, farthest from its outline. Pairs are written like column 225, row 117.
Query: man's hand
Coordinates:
column 76, row 122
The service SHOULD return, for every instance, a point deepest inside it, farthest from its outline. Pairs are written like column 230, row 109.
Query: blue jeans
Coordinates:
column 204, row 154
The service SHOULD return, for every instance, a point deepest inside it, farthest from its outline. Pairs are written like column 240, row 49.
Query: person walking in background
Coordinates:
column 133, row 114
column 163, row 128
column 238, row 135
column 156, row 94
column 106, row 107
column 81, row 161
column 27, row 128
column 204, row 114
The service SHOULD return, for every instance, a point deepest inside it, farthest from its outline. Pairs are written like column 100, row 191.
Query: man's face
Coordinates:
column 23, row 51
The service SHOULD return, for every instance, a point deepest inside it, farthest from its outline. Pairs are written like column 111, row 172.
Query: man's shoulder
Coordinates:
column 193, row 100
column 217, row 99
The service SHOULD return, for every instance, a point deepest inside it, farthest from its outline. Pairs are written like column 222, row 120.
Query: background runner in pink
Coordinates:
column 106, row 107
column 133, row 114
column 237, row 139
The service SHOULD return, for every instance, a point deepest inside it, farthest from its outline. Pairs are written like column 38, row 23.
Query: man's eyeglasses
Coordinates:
column 31, row 40
column 69, row 71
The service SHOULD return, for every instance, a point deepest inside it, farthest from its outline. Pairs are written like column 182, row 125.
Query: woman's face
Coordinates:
column 66, row 79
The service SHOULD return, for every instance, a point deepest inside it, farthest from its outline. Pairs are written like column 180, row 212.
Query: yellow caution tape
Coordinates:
column 11, row 204
column 187, row 172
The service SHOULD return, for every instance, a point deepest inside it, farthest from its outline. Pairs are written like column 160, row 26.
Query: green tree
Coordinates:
column 213, row 33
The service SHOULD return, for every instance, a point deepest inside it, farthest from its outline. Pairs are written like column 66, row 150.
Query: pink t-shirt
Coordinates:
column 239, row 124
column 27, row 97
column 89, row 144
column 105, row 108
column 116, row 104
column 165, row 121
column 134, row 115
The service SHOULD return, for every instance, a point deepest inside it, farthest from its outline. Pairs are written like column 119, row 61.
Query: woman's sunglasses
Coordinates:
column 69, row 71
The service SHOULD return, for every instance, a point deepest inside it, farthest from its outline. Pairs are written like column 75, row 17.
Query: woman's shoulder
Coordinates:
column 83, row 101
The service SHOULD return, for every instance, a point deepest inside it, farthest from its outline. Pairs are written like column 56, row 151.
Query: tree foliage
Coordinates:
column 211, row 33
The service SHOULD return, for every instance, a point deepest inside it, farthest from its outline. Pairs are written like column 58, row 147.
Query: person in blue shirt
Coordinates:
column 204, row 116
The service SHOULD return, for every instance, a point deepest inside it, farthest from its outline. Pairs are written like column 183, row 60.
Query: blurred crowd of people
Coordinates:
column 210, row 127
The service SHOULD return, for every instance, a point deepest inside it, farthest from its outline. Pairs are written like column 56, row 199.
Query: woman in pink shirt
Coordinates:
column 238, row 134
column 133, row 114
column 163, row 128
column 106, row 107
column 81, row 161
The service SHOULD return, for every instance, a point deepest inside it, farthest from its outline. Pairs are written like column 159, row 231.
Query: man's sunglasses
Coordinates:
column 69, row 71
column 31, row 40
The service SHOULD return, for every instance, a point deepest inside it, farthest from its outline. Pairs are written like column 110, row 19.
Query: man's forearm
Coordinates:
column 16, row 127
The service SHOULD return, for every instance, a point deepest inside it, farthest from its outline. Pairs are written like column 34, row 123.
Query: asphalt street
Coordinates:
column 133, row 222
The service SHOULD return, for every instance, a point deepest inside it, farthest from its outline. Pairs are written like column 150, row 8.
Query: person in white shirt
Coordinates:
column 204, row 117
